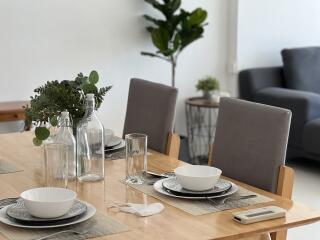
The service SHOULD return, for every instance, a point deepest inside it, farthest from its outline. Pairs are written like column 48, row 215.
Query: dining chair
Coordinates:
column 250, row 146
column 151, row 110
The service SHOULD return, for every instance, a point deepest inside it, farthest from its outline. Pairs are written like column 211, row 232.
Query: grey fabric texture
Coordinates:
column 252, row 80
column 150, row 110
column 251, row 141
column 302, row 68
column 305, row 106
column 311, row 137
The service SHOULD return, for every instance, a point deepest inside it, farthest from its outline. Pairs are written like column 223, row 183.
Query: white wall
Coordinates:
column 55, row 39
column 266, row 27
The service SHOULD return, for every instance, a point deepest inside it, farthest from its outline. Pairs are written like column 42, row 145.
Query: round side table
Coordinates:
column 201, row 115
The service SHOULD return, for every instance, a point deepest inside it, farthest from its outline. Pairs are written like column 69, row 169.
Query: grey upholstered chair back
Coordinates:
column 150, row 110
column 251, row 141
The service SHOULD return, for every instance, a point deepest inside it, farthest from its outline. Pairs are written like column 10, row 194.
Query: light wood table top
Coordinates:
column 172, row 223
column 12, row 111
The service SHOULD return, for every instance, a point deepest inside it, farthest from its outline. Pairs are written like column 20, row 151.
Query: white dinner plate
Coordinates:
column 158, row 187
column 113, row 141
column 4, row 218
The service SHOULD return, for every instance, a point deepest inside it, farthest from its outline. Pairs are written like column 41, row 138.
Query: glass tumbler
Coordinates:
column 136, row 158
column 56, row 165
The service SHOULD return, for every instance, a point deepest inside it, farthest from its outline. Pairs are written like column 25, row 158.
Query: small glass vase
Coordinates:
column 90, row 145
column 64, row 135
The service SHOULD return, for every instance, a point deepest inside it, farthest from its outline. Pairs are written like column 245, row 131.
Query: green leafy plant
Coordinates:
column 208, row 84
column 54, row 97
column 175, row 32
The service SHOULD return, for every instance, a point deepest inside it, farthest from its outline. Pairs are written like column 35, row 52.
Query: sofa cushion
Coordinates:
column 311, row 137
column 302, row 68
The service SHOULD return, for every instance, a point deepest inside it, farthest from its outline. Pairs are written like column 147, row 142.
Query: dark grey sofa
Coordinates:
column 295, row 86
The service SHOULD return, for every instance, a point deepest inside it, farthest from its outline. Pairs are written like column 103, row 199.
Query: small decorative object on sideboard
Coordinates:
column 209, row 87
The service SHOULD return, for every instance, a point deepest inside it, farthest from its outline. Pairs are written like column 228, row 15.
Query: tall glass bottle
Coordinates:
column 90, row 145
column 65, row 136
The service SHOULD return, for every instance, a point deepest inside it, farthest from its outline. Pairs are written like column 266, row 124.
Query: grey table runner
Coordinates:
column 99, row 225
column 7, row 167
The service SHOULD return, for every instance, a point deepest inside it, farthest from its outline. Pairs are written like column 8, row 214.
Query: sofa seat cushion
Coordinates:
column 302, row 68
column 311, row 137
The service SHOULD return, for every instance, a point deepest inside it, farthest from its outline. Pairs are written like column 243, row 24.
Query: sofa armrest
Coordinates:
column 305, row 106
column 252, row 80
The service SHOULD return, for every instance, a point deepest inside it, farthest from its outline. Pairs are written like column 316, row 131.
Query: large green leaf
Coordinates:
column 177, row 41
column 153, row 20
column 197, row 17
column 42, row 133
column 160, row 38
column 190, row 35
column 93, row 77
column 174, row 5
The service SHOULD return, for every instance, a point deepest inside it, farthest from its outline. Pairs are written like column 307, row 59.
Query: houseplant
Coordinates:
column 175, row 32
column 207, row 85
column 54, row 97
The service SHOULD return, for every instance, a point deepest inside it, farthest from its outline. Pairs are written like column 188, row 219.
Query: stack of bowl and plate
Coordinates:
column 196, row 182
column 112, row 142
column 46, row 208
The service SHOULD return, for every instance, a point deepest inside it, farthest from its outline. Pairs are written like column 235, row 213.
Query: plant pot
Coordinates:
column 207, row 95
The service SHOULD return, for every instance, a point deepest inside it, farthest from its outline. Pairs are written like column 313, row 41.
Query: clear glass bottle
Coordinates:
column 65, row 136
column 90, row 145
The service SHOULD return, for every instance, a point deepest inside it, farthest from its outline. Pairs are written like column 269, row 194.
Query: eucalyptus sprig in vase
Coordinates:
column 54, row 97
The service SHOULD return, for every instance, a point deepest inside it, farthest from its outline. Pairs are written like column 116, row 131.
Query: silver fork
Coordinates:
column 61, row 232
column 223, row 201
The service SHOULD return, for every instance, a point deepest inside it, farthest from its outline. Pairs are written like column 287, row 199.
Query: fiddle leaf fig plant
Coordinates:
column 174, row 31
column 54, row 97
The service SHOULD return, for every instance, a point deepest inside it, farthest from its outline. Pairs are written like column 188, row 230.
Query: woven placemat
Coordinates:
column 99, row 225
column 200, row 207
column 7, row 167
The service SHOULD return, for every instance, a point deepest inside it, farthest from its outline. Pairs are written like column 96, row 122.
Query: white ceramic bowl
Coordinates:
column 197, row 177
column 48, row 202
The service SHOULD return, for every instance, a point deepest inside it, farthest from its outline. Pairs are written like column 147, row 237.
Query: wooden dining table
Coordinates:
column 171, row 223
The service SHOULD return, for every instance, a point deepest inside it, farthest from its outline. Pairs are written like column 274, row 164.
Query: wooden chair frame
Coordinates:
column 284, row 189
column 173, row 145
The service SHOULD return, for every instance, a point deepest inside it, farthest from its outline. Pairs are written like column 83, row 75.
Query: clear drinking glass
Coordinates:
column 136, row 158
column 56, row 165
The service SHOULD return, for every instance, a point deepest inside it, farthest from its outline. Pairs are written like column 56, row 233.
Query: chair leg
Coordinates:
column 280, row 235
column 284, row 189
